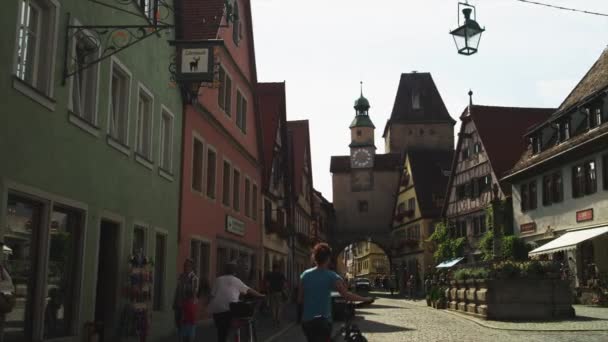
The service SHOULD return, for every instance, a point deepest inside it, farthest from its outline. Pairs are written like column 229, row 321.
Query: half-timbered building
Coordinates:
column 489, row 144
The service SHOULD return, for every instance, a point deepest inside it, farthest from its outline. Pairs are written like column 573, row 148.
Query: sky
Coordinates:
column 529, row 56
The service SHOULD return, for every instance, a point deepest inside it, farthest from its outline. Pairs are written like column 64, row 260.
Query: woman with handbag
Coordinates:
column 7, row 293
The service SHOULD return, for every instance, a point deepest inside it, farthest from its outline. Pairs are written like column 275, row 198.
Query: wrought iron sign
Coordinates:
column 91, row 44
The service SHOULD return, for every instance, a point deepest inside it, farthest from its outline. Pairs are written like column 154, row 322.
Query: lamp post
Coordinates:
column 467, row 36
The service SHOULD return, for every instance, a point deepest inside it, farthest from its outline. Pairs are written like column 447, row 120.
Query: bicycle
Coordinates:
column 349, row 331
column 244, row 317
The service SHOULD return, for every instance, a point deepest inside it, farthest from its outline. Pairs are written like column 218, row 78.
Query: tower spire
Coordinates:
column 361, row 88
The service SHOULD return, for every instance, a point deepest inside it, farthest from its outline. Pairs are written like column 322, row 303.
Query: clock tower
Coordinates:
column 362, row 147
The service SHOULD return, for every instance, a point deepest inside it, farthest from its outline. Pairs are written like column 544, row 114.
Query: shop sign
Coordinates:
column 527, row 227
column 235, row 226
column 584, row 215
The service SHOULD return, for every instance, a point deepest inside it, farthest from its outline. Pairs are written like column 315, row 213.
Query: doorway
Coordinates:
column 107, row 278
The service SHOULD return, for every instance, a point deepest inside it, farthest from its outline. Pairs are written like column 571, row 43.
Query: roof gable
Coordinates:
column 300, row 158
column 502, row 129
column 596, row 79
column 429, row 177
column 271, row 108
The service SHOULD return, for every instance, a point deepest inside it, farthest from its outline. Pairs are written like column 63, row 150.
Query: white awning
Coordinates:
column 569, row 240
column 449, row 263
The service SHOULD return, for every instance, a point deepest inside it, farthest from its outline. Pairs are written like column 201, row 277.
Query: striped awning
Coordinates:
column 569, row 240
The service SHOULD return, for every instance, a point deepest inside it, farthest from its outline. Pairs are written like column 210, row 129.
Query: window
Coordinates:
column 267, row 214
column 225, row 91
column 485, row 183
column 605, row 171
column 139, row 241
column 411, row 204
column 120, row 83
column 197, row 165
column 200, row 254
column 564, row 130
column 147, row 6
column 552, row 188
column 528, row 196
column 415, row 100
column 466, row 153
column 363, row 206
column 524, row 197
column 236, row 190
column 160, row 256
column 479, row 225
column 536, row 144
column 595, row 115
column 477, row 148
column 236, row 24
column 35, row 49
column 241, row 112
column 62, row 278
column 584, row 179
column 459, row 229
column 247, row 197
column 468, row 189
column 143, row 133
column 83, row 90
column 475, row 187
column 460, row 192
column 166, row 141
column 401, row 208
column 254, row 203
column 547, row 189
column 227, row 173
column 358, row 132
column 211, row 166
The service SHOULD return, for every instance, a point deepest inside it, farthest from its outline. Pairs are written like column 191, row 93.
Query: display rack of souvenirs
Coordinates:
column 138, row 294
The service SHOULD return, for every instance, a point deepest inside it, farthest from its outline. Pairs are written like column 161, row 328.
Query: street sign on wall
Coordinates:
column 235, row 226
column 584, row 215
column 527, row 227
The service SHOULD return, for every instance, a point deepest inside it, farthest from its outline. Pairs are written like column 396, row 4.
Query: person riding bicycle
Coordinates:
column 316, row 285
column 227, row 289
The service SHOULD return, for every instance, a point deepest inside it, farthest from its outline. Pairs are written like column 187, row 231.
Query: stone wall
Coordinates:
column 512, row 299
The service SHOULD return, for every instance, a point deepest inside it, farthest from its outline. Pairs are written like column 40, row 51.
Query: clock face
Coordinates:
column 361, row 158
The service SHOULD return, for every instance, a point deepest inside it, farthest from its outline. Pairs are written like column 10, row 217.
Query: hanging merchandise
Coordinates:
column 135, row 319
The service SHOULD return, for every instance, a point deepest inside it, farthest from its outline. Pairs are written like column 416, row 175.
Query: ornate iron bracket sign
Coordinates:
column 87, row 45
column 196, row 65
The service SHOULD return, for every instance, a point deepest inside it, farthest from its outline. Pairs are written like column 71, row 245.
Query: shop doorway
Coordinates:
column 107, row 277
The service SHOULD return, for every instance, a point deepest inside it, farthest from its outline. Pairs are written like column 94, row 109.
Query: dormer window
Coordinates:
column 415, row 100
column 595, row 115
column 564, row 130
column 536, row 144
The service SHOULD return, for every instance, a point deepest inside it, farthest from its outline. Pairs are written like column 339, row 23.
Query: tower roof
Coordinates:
column 362, row 117
column 430, row 104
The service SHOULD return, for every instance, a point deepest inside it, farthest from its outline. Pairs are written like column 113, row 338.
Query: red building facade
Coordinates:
column 220, row 209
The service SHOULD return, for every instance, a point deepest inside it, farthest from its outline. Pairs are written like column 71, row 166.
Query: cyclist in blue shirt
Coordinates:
column 316, row 285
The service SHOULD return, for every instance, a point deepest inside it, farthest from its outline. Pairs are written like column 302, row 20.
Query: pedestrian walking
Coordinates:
column 410, row 287
column 392, row 284
column 385, row 284
column 316, row 285
column 275, row 285
column 185, row 302
column 227, row 289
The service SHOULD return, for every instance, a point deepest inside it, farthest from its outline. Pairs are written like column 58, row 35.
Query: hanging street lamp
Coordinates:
column 467, row 36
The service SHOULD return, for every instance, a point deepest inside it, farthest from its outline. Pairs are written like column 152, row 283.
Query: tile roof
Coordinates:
column 432, row 108
column 502, row 130
column 382, row 162
column 271, row 108
column 428, row 169
column 594, row 81
column 299, row 135
column 200, row 19
column 592, row 84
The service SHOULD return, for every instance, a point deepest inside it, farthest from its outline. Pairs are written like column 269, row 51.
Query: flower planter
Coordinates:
column 516, row 299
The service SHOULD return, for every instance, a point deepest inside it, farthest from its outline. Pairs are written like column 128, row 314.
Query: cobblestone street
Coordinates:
column 398, row 320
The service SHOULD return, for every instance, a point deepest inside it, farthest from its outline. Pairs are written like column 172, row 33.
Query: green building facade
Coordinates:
column 89, row 171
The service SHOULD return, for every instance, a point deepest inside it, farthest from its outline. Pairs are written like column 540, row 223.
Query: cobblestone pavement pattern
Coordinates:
column 396, row 320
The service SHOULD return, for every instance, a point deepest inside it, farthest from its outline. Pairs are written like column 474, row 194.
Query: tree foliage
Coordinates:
column 446, row 248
